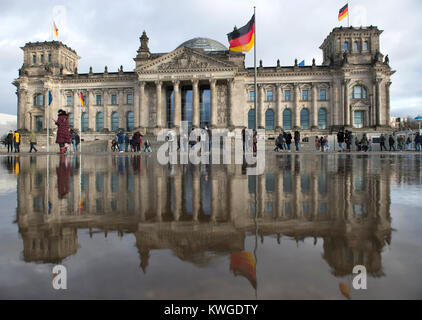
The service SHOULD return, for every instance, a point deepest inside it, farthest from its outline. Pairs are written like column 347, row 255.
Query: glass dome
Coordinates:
column 206, row 44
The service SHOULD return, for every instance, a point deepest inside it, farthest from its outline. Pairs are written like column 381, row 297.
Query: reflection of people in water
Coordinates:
column 64, row 170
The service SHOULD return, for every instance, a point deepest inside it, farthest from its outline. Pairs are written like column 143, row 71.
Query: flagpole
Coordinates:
column 255, row 85
column 348, row 14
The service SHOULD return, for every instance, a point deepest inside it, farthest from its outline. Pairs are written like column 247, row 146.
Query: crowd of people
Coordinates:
column 130, row 143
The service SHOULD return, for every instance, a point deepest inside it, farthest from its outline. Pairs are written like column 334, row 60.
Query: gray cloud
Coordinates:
column 107, row 32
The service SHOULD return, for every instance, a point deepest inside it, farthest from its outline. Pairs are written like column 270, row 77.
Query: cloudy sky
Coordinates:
column 105, row 32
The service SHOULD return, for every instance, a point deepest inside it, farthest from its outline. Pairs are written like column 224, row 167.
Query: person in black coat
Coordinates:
column 340, row 140
column 382, row 143
column 9, row 141
column 297, row 139
column 391, row 143
column 289, row 139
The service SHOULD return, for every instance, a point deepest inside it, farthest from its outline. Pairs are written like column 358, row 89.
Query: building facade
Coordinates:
column 202, row 82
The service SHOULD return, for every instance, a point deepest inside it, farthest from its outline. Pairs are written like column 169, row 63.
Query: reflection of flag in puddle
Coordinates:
column 243, row 263
column 344, row 289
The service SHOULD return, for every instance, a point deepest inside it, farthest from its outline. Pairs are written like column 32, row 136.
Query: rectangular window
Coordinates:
column 113, row 99
column 323, row 94
column 98, row 99
column 305, row 95
column 85, row 101
column 358, row 119
column 42, row 58
column 251, row 96
column 287, row 96
column 34, row 58
column 49, row 58
column 129, row 99
column 68, row 100
column 269, row 95
column 346, row 46
column 365, row 45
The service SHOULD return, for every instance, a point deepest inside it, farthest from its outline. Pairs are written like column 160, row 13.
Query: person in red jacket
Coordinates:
column 63, row 133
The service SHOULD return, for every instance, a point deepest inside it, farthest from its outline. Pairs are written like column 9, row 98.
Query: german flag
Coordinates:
column 56, row 31
column 81, row 98
column 243, row 39
column 243, row 264
column 343, row 13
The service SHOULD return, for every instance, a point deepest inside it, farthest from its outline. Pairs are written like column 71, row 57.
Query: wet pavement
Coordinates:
column 126, row 227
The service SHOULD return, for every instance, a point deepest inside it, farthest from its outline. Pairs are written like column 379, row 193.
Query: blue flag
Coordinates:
column 302, row 63
column 50, row 97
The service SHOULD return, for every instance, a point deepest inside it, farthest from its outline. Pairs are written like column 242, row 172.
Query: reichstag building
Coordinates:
column 202, row 82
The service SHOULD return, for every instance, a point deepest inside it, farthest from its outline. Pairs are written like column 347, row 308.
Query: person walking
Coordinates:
column 16, row 141
column 63, row 133
column 409, row 143
column 278, row 143
column 340, row 140
column 349, row 140
column 289, row 139
column 9, row 141
column 400, row 143
column 382, row 142
column 364, row 143
column 75, row 140
column 32, row 142
column 120, row 140
column 317, row 144
column 391, row 142
column 127, row 141
column 147, row 146
column 357, row 144
column 418, row 142
column 297, row 139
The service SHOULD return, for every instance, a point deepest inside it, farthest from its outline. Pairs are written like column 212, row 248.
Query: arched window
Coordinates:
column 287, row 119
column 84, row 122
column 346, row 46
column 269, row 120
column 99, row 121
column 358, row 92
column 355, row 46
column 71, row 120
column 114, row 121
column 130, row 121
column 304, row 119
column 322, row 119
column 251, row 119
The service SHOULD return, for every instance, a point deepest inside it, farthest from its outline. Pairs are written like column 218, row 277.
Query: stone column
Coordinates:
column 92, row 113
column 314, row 112
column 336, row 105
column 196, row 192
column 278, row 122
column 378, row 102
column 387, row 104
column 213, row 92
column 159, row 114
column 230, row 91
column 196, row 109
column 178, row 195
column 76, row 111
column 346, row 102
column 296, row 113
column 136, row 109
column 143, row 109
column 177, row 104
column 260, row 105
column 107, row 114
column 214, row 198
column 46, row 107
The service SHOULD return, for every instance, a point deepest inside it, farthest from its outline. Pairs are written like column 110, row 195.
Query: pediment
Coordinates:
column 185, row 59
column 360, row 104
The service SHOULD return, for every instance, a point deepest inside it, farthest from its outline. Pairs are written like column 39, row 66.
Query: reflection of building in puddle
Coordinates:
column 200, row 212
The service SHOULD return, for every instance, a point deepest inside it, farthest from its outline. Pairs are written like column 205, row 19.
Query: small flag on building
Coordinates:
column 302, row 63
column 243, row 39
column 343, row 13
column 81, row 98
column 50, row 98
column 56, row 31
